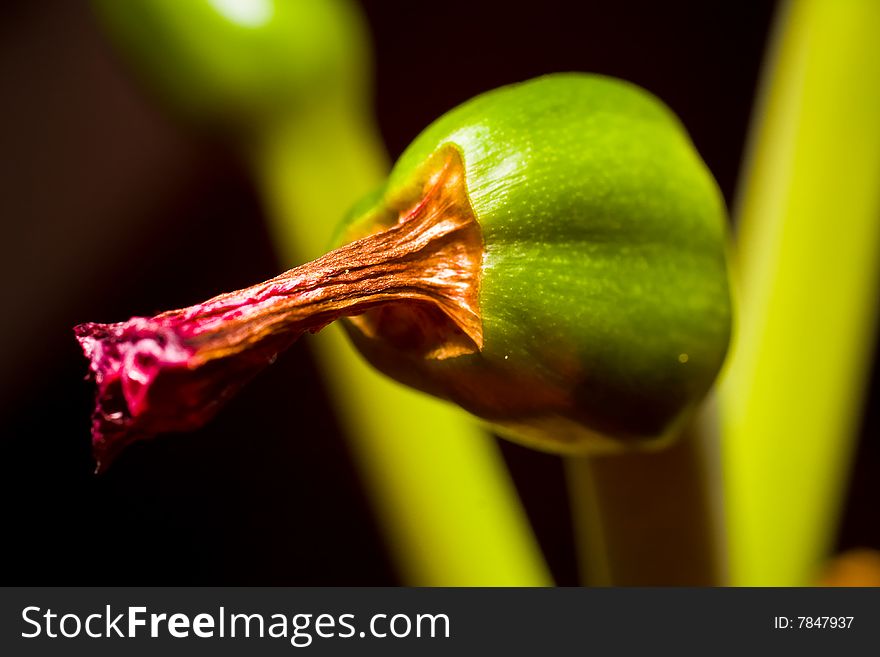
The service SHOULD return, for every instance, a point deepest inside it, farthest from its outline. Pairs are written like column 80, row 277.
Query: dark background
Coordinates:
column 111, row 208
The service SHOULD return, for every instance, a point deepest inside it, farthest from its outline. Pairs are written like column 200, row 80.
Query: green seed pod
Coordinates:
column 598, row 313
column 245, row 63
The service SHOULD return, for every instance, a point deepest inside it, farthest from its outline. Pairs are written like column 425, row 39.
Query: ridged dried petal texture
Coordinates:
column 551, row 256
column 173, row 372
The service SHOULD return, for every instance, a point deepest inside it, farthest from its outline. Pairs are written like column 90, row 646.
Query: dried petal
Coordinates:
column 173, row 372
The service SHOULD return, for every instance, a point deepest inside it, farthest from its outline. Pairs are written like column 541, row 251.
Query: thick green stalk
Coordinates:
column 650, row 519
column 809, row 231
column 449, row 509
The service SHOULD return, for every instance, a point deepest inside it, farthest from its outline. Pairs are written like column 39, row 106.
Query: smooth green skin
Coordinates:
column 604, row 265
column 241, row 64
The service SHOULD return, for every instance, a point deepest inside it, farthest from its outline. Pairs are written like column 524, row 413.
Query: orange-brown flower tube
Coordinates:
column 172, row 372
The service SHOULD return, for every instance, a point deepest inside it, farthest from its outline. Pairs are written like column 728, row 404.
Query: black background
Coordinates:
column 111, row 208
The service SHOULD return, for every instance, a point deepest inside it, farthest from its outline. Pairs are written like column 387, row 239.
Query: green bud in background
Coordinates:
column 245, row 63
column 600, row 304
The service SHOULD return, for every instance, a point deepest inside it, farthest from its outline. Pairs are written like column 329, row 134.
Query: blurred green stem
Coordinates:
column 809, row 232
column 650, row 519
column 450, row 512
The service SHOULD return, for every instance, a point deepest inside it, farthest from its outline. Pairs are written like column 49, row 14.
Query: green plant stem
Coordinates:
column 649, row 519
column 809, row 232
column 449, row 510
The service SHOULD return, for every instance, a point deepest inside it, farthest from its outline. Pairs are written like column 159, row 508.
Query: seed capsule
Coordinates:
column 550, row 256
column 600, row 278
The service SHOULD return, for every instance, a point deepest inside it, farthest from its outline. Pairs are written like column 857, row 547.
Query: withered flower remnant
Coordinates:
column 174, row 371
column 551, row 256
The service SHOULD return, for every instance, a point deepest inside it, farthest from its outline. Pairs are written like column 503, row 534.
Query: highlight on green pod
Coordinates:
column 599, row 311
column 549, row 255
column 242, row 64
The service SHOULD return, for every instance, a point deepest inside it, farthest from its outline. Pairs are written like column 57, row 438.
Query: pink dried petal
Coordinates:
column 174, row 371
